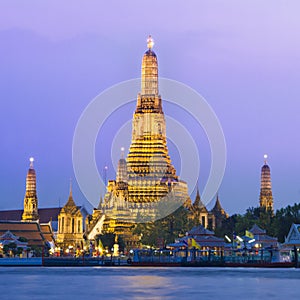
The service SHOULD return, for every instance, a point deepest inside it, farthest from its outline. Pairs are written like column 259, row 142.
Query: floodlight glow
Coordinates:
column 239, row 238
column 227, row 238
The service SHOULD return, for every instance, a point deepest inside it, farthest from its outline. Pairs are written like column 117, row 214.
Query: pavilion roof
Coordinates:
column 29, row 230
column 200, row 230
column 256, row 230
column 45, row 214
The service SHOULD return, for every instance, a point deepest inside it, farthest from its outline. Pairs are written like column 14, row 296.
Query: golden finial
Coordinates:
column 122, row 152
column 31, row 159
column 150, row 42
column 70, row 187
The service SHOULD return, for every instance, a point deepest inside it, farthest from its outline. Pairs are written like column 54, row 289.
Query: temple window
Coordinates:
column 73, row 227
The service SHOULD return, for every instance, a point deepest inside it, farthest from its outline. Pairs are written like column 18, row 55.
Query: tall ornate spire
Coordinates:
column 198, row 204
column 147, row 177
column 30, row 212
column 150, row 172
column 217, row 206
column 266, row 197
column 197, row 200
column 218, row 209
column 122, row 175
column 218, row 213
column 70, row 201
column 149, row 71
column 100, row 203
column 71, row 193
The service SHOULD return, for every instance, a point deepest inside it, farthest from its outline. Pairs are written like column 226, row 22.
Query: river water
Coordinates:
column 148, row 283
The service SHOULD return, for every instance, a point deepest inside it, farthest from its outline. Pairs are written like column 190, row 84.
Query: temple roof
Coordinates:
column 217, row 206
column 293, row 237
column 198, row 204
column 256, row 230
column 265, row 166
column 203, row 241
column 47, row 233
column 8, row 236
column 45, row 214
column 150, row 52
column 200, row 230
column 70, row 206
column 29, row 230
column 70, row 202
column 218, row 209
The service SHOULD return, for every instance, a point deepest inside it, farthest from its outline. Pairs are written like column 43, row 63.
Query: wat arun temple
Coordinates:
column 147, row 186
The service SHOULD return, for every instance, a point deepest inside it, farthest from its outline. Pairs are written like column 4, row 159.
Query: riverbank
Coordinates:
column 118, row 262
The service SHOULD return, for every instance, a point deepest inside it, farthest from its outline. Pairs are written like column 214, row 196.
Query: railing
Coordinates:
column 203, row 256
column 16, row 261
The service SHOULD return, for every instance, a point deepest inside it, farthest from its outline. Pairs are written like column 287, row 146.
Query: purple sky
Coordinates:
column 242, row 56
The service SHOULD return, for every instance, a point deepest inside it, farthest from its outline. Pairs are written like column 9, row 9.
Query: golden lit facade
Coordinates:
column 70, row 225
column 30, row 200
column 266, row 196
column 147, row 176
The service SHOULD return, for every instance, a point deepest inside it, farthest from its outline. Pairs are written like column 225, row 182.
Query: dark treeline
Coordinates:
column 179, row 222
column 167, row 229
column 276, row 224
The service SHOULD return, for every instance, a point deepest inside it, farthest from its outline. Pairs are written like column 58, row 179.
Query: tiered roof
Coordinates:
column 198, row 204
column 256, row 230
column 45, row 214
column 200, row 230
column 29, row 230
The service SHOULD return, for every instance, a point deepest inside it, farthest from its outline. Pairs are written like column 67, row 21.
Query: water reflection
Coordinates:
column 148, row 283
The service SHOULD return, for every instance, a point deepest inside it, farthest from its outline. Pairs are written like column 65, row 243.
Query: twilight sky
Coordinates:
column 243, row 57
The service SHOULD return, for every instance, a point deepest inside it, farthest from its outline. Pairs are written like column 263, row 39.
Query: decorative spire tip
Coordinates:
column 70, row 187
column 265, row 158
column 31, row 159
column 122, row 152
column 150, row 42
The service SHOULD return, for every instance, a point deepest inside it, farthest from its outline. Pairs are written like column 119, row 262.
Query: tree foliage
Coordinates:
column 277, row 225
column 108, row 241
column 168, row 228
column 178, row 223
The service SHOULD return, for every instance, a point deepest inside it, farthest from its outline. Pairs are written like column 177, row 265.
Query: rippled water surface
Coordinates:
column 148, row 283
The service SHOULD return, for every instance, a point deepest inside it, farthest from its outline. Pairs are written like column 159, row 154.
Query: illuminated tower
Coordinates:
column 122, row 175
column 30, row 200
column 147, row 180
column 151, row 175
column 70, row 224
column 266, row 197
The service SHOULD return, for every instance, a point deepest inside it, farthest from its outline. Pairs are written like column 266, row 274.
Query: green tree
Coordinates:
column 108, row 241
column 10, row 248
column 277, row 225
column 168, row 228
